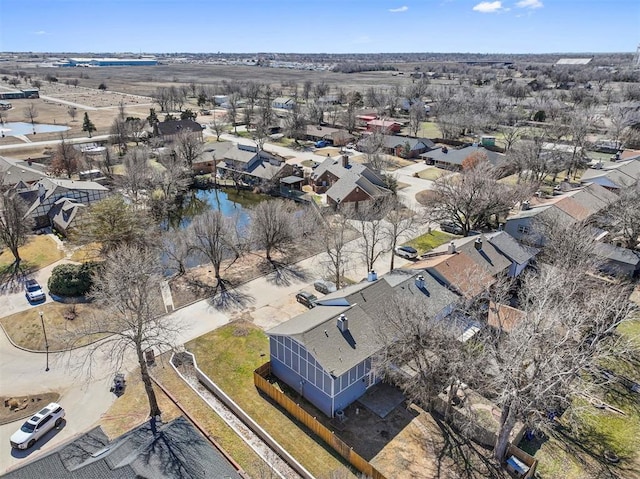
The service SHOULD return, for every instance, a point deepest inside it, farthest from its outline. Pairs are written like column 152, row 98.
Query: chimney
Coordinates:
column 525, row 206
column 372, row 276
column 345, row 161
column 420, row 281
column 477, row 244
column 41, row 189
column 343, row 323
column 452, row 248
column 445, row 149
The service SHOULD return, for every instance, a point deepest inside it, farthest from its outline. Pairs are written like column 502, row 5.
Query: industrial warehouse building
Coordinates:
column 108, row 62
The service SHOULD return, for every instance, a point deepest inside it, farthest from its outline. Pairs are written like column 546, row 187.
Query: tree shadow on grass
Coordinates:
column 587, row 445
column 282, row 273
column 470, row 461
column 12, row 277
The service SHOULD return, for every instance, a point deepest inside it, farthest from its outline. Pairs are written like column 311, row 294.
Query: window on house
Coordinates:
column 524, row 229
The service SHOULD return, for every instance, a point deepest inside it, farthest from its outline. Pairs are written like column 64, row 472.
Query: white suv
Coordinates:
column 36, row 427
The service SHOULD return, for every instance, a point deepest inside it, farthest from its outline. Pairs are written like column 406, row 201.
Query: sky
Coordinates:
column 320, row 26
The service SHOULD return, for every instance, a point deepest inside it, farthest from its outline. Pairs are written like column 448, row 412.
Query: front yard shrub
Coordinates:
column 72, row 279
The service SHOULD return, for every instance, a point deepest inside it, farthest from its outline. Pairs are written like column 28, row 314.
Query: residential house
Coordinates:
column 497, row 252
column 386, row 126
column 252, row 165
column 347, row 182
column 452, row 158
column 613, row 175
column 335, row 136
column 327, row 353
column 169, row 130
column 572, row 206
column 284, row 103
column 617, row 261
column 459, row 272
column 45, row 205
column 211, row 155
column 406, row 147
column 174, row 450
column 20, row 173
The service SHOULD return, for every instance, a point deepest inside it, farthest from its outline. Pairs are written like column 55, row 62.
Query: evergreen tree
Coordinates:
column 87, row 125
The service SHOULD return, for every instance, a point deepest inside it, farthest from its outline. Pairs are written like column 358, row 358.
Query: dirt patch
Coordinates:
column 15, row 408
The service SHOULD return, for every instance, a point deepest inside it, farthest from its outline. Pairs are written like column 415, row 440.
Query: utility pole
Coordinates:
column 46, row 342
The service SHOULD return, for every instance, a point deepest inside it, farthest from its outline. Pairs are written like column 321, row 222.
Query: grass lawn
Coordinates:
column 24, row 328
column 153, row 164
column 432, row 173
column 88, row 252
column 429, row 129
column 228, row 356
column 509, row 180
column 428, row 241
column 575, row 450
column 40, row 251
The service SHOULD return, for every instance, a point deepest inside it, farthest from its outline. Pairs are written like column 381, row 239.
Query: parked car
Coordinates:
column 406, row 252
column 351, row 146
column 37, row 426
column 450, row 227
column 308, row 299
column 33, row 291
column 325, row 287
column 321, row 143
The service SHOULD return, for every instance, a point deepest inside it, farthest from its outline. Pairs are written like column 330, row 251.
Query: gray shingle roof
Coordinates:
column 173, row 450
column 456, row 157
column 616, row 253
column 337, row 352
column 511, row 248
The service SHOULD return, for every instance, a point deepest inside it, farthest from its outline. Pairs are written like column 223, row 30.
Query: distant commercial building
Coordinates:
column 28, row 93
column 108, row 62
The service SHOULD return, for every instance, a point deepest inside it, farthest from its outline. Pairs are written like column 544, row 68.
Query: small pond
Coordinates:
column 14, row 128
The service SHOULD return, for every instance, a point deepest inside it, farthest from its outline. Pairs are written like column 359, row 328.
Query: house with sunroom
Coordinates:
column 327, row 354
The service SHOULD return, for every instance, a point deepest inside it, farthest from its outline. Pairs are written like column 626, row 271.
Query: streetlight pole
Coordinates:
column 46, row 342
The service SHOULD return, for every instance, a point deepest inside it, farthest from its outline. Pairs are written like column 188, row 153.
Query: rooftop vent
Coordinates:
column 477, row 244
column 452, row 248
column 372, row 276
column 343, row 323
column 525, row 206
column 420, row 281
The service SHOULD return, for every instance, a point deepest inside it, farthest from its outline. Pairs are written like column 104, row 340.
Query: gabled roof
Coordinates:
column 457, row 156
column 172, row 450
column 614, row 174
column 173, row 127
column 393, row 141
column 362, row 304
column 488, row 256
column 511, row 248
column 283, row 100
column 13, row 171
column 238, row 154
column 458, row 271
column 616, row 253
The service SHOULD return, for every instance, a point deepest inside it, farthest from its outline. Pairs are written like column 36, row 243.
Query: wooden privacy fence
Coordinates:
column 328, row 436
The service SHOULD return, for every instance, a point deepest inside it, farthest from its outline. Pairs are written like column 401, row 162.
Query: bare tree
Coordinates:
column 399, row 221
column 333, row 237
column 621, row 116
column 622, row 218
column 272, row 226
column 127, row 288
column 472, row 199
column 232, row 112
column 295, row 123
column 370, row 222
column 212, row 235
column 219, row 124
column 543, row 362
column 31, row 113
column 175, row 248
column 417, row 114
column 14, row 227
column 188, row 147
column 65, row 158
column 137, row 173
column 372, row 146
column 72, row 111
